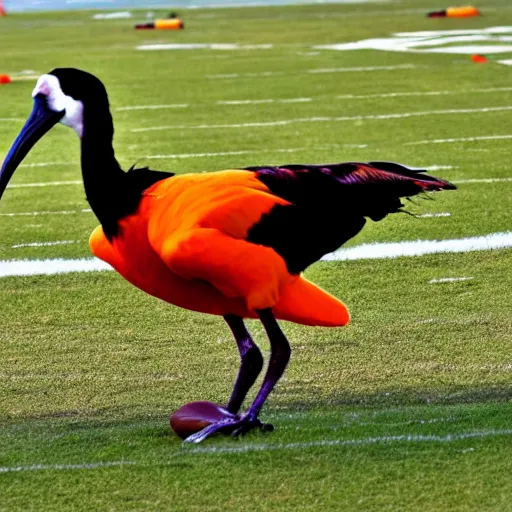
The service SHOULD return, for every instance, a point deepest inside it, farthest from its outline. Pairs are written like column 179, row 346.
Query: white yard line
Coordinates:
column 460, row 139
column 362, row 69
column 422, row 93
column 409, row 438
column 44, row 184
column 222, row 153
column 47, row 164
column 433, row 215
column 354, row 69
column 360, row 252
column 449, row 280
column 483, row 180
column 35, row 214
column 422, row 247
column 45, row 244
column 263, row 447
column 67, row 467
column 285, row 122
column 177, row 156
column 152, row 107
column 51, row 266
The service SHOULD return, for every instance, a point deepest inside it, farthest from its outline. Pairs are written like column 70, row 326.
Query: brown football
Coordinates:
column 194, row 416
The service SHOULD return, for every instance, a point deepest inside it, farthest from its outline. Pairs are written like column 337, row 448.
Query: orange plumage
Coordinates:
column 186, row 244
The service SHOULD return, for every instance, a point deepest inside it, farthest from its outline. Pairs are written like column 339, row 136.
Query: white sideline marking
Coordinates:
column 409, row 438
column 449, row 280
column 422, row 247
column 461, row 139
column 53, row 467
column 45, row 244
column 285, row 122
column 355, row 69
column 10, row 119
column 433, row 215
column 421, row 93
column 360, row 252
column 44, row 184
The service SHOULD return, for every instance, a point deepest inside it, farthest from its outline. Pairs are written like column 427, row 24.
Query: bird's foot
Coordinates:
column 236, row 427
column 249, row 422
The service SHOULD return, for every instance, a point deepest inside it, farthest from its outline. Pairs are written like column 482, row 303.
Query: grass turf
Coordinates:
column 407, row 408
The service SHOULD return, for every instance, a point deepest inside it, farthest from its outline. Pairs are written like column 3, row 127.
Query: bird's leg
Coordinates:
column 279, row 357
column 251, row 362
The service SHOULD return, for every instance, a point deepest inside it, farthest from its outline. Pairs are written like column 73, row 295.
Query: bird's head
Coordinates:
column 62, row 95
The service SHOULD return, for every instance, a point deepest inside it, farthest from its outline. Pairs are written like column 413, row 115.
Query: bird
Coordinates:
column 232, row 243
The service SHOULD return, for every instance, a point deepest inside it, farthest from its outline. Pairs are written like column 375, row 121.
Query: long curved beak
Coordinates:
column 39, row 122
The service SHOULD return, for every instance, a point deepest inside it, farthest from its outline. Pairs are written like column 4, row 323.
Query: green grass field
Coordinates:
column 407, row 408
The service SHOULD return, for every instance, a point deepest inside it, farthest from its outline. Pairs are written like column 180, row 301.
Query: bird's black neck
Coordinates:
column 106, row 185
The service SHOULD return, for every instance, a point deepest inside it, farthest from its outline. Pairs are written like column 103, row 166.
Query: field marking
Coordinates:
column 359, row 252
column 47, row 164
column 285, row 122
column 45, row 184
column 461, row 139
column 422, row 247
column 258, row 447
column 410, row 438
column 355, row 69
column 152, row 107
column 434, row 215
column 200, row 155
column 260, row 102
column 203, row 46
column 449, row 280
column 45, row 244
column 35, row 214
column 60, row 467
column 51, row 266
column 483, row 180
column 177, row 156
column 421, row 93
column 308, row 100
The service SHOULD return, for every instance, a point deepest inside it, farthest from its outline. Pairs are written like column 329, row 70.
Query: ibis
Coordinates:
column 232, row 243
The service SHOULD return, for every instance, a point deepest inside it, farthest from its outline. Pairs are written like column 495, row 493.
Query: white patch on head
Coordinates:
column 49, row 86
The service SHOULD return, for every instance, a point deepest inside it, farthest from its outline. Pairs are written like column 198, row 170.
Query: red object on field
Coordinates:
column 479, row 59
column 194, row 416
column 2, row 9
column 5, row 79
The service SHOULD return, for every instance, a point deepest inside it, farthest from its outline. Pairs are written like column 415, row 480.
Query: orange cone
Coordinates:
column 479, row 59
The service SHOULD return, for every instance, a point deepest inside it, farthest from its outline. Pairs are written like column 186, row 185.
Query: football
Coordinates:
column 194, row 416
